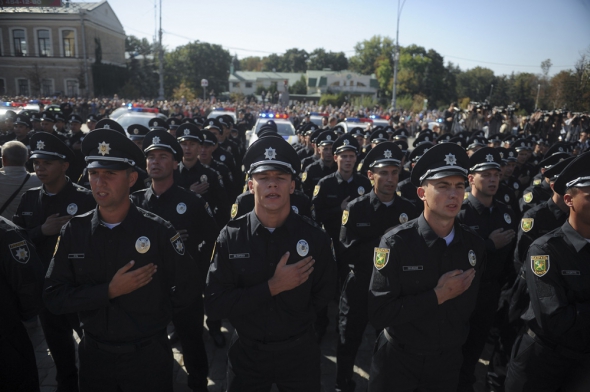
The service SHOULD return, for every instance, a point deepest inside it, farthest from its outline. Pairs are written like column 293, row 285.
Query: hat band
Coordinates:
column 393, row 161
column 271, row 162
column 577, row 181
column 162, row 145
column 182, row 137
column 443, row 168
column 484, row 164
column 48, row 153
column 101, row 158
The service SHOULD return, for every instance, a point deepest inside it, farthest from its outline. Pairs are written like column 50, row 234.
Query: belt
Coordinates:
column 559, row 349
column 120, row 348
column 276, row 346
column 407, row 348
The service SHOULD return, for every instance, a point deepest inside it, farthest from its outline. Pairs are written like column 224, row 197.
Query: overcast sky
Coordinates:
column 504, row 35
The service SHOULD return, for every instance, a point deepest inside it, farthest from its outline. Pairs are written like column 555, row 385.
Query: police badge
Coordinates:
column 142, row 245
column 302, row 248
column 380, row 257
column 20, row 251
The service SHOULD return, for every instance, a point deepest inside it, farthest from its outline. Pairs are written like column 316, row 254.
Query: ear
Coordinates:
column 292, row 187
column 251, row 186
column 133, row 178
column 371, row 175
column 421, row 191
column 470, row 178
column 175, row 165
column 568, row 199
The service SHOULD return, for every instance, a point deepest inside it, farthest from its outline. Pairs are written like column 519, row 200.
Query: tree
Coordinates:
column 475, row 83
column 367, row 52
column 253, row 63
column 135, row 46
column 299, row 87
column 384, row 73
column 294, row 60
column 272, row 63
column 545, row 67
column 319, row 59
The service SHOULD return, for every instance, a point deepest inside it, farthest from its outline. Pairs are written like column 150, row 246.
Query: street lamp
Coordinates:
column 396, row 55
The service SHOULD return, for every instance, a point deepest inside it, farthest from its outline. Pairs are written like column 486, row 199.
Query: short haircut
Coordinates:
column 15, row 153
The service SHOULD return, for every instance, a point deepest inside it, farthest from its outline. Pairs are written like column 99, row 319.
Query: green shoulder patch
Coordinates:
column 381, row 257
column 526, row 224
column 528, row 197
column 540, row 264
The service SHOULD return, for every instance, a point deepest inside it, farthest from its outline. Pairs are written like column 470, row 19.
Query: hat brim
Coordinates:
column 46, row 157
column 109, row 165
column 268, row 167
column 136, row 137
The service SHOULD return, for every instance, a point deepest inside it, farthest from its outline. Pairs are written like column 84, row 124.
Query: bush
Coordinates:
column 332, row 99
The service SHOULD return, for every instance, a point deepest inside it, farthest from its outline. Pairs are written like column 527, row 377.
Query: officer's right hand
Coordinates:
column 125, row 282
column 200, row 188
column 287, row 277
column 501, row 237
column 54, row 223
column 453, row 283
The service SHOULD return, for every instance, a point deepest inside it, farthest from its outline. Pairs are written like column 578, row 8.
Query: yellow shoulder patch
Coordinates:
column 381, row 257
column 526, row 224
column 316, row 190
column 528, row 197
column 304, row 176
column 540, row 264
column 234, row 210
column 466, row 195
column 344, row 217
column 359, row 167
column 537, row 182
column 398, row 193
column 56, row 246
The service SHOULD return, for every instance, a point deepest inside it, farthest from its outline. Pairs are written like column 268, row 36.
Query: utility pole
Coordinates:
column 396, row 56
column 537, row 100
column 161, row 58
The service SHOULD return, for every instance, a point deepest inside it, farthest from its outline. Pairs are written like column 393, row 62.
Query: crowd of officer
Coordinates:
column 443, row 242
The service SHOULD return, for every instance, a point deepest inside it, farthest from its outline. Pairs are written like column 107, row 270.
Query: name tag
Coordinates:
column 413, row 268
column 570, row 272
column 76, row 256
column 25, row 213
column 363, row 225
column 474, row 227
column 239, row 255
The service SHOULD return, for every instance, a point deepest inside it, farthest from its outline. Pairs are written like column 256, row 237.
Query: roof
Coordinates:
column 73, row 8
column 239, row 76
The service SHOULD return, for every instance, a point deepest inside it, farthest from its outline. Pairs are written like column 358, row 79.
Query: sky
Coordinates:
column 503, row 35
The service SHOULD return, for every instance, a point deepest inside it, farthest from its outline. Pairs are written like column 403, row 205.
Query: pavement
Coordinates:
column 218, row 358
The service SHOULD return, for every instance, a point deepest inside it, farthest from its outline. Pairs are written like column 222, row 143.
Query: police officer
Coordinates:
column 424, row 284
column 48, row 124
column 322, row 167
column 193, row 219
column 496, row 224
column 74, row 141
column 21, row 282
column 540, row 190
column 305, row 162
column 172, row 124
column 406, row 188
column 552, row 354
column 22, row 126
column 91, row 122
column 42, row 212
column 124, row 271
column 364, row 221
column 308, row 150
column 207, row 147
column 137, row 133
column 222, row 154
column 505, row 193
column 272, row 270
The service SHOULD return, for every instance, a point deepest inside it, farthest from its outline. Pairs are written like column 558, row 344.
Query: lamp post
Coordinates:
column 396, row 55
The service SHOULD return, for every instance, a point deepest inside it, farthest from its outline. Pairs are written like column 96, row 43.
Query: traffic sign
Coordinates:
column 204, row 83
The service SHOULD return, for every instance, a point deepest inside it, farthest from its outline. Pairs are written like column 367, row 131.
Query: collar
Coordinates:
column 15, row 170
column 376, row 203
column 149, row 193
column 573, row 236
column 129, row 224
column 255, row 223
column 479, row 207
column 430, row 237
column 182, row 167
column 67, row 187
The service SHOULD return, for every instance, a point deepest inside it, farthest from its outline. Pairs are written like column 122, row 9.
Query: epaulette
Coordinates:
column 310, row 221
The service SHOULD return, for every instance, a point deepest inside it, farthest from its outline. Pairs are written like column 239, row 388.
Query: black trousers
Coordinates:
column 188, row 323
column 18, row 368
column 147, row 368
column 394, row 369
column 58, row 331
column 256, row 369
column 536, row 367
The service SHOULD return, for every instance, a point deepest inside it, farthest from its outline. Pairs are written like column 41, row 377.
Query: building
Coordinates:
column 46, row 51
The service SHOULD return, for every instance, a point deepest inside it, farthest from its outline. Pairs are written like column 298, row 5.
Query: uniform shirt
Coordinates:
column 79, row 163
column 506, row 195
column 88, row 256
column 328, row 196
column 533, row 195
column 401, row 294
column 227, row 178
column 21, row 277
column 305, row 162
column 246, row 256
column 300, row 204
column 305, row 152
column 185, row 210
column 364, row 221
column 483, row 220
column 36, row 205
column 314, row 173
column 558, row 279
column 408, row 191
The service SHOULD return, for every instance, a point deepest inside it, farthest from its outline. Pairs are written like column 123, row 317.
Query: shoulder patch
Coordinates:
column 234, row 210
column 540, row 264
column 526, row 224
column 466, row 195
column 316, row 190
column 344, row 217
column 20, row 251
column 359, row 167
column 528, row 197
column 537, row 182
column 177, row 244
column 381, row 257
column 304, row 176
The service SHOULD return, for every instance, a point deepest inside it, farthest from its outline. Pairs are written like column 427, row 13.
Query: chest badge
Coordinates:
column 380, row 257
column 403, row 218
column 295, row 209
column 528, row 197
column 507, row 218
column 142, row 245
column 506, row 198
column 361, row 190
column 526, row 224
column 72, row 209
column 203, row 178
column 540, row 265
column 515, row 185
column 302, row 248
column 472, row 258
column 304, row 176
column 181, row 208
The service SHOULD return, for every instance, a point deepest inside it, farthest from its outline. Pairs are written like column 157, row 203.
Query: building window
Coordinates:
column 236, row 84
column 69, row 43
column 71, row 87
column 248, row 84
column 19, row 42
column 2, row 86
column 23, row 86
column 44, row 43
column 46, row 87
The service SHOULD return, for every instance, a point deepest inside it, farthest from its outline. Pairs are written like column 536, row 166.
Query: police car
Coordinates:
column 317, row 118
column 221, row 111
column 137, row 115
column 379, row 121
column 284, row 127
column 353, row 122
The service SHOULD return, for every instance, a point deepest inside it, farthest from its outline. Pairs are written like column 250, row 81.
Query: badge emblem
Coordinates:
column 222, row 158
column 234, row 210
column 302, row 248
column 490, row 158
column 156, row 140
column 103, row 148
column 450, row 159
column 506, row 198
column 316, row 190
column 528, row 197
column 107, row 126
column 381, row 257
column 540, row 264
column 403, row 218
column 72, row 209
column 181, row 208
column 40, row 145
column 203, row 178
column 304, row 176
column 177, row 244
column 270, row 153
column 187, row 132
column 344, row 217
column 398, row 193
column 515, row 185
column 472, row 258
column 136, row 131
column 526, row 224
column 465, row 195
column 346, row 142
column 295, row 209
column 507, row 218
column 537, row 182
column 387, row 154
column 359, row 167
column 20, row 251
column 142, row 245
column 361, row 190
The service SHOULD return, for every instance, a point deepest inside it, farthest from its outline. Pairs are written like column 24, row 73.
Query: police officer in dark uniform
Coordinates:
column 322, row 167
column 137, row 133
column 48, row 124
column 42, row 212
column 207, row 149
column 226, row 142
column 405, row 188
column 524, row 171
column 495, row 223
column 364, row 221
column 553, row 354
column 74, row 141
column 124, row 271
column 91, row 122
column 308, row 151
column 157, row 123
column 21, row 283
column 300, row 204
column 540, row 191
column 505, row 193
column 193, row 219
column 424, row 284
column 22, row 127
column 172, row 124
column 305, row 162
column 222, row 154
column 272, row 270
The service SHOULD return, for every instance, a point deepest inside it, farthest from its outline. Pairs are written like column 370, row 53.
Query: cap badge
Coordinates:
column 387, row 154
column 173, row 122
column 136, row 131
column 450, row 159
column 510, row 154
column 156, row 123
column 156, row 140
column 211, row 123
column 40, row 145
column 380, row 136
column 490, row 158
column 302, row 248
column 72, row 209
column 103, row 148
column 142, row 245
column 181, row 208
column 346, row 142
column 186, row 131
column 270, row 153
column 328, row 137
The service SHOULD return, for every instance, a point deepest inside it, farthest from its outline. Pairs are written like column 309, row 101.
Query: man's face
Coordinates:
column 190, row 150
column 385, row 180
column 160, row 164
column 583, row 136
column 443, row 197
column 49, row 171
column 91, row 125
column 60, row 124
column 486, row 182
column 36, row 126
column 47, row 126
column 272, row 189
column 508, row 169
column 326, row 153
column 109, row 187
column 75, row 127
column 523, row 156
column 333, row 123
column 345, row 161
column 138, row 143
column 205, row 152
column 578, row 200
column 361, row 140
column 20, row 131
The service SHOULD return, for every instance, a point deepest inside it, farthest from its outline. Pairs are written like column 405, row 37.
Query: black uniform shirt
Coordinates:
column 89, row 254
column 314, row 173
column 245, row 258
column 506, row 195
column 408, row 191
column 560, row 288
column 401, row 294
column 533, row 195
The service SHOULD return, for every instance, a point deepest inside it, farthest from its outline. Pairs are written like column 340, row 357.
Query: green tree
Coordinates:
column 299, row 87
column 136, row 46
column 320, row 59
column 475, row 83
column 272, row 63
column 252, row 63
column 367, row 52
column 384, row 73
column 294, row 60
